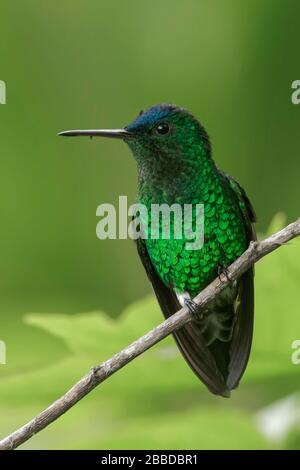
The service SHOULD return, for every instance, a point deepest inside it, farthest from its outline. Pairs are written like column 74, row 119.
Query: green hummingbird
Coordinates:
column 175, row 165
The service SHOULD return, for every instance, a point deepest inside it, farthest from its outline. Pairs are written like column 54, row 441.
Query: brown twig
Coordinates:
column 100, row 373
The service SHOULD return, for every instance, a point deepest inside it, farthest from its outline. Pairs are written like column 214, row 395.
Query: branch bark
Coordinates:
column 98, row 374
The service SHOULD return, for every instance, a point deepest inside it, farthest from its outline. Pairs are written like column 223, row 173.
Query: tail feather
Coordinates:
column 192, row 345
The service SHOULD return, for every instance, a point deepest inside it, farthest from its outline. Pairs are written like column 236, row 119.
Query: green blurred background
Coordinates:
column 71, row 64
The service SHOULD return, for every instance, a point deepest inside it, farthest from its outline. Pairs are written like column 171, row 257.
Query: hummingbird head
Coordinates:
column 164, row 139
column 166, row 133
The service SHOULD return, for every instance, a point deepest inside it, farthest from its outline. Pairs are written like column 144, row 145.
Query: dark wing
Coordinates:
column 240, row 345
column 189, row 337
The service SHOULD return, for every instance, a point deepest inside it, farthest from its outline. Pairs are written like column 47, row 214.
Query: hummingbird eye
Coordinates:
column 162, row 128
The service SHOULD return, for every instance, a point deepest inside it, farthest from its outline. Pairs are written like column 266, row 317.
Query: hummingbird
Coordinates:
column 174, row 165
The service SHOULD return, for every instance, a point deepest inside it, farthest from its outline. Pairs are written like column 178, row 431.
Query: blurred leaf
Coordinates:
column 155, row 402
column 96, row 332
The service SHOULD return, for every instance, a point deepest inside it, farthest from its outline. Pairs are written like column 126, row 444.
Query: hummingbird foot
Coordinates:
column 194, row 309
column 223, row 270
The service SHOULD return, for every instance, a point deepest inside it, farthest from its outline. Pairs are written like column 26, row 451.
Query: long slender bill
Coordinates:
column 112, row 133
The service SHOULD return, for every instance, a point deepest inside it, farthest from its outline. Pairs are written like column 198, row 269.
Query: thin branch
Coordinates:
column 98, row 374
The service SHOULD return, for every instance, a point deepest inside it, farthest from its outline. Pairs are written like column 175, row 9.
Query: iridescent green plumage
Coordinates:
column 225, row 234
column 189, row 176
column 174, row 164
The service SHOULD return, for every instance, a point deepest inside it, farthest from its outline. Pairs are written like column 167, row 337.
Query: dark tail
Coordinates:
column 192, row 345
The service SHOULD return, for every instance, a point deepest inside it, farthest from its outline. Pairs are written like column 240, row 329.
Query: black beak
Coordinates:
column 113, row 133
